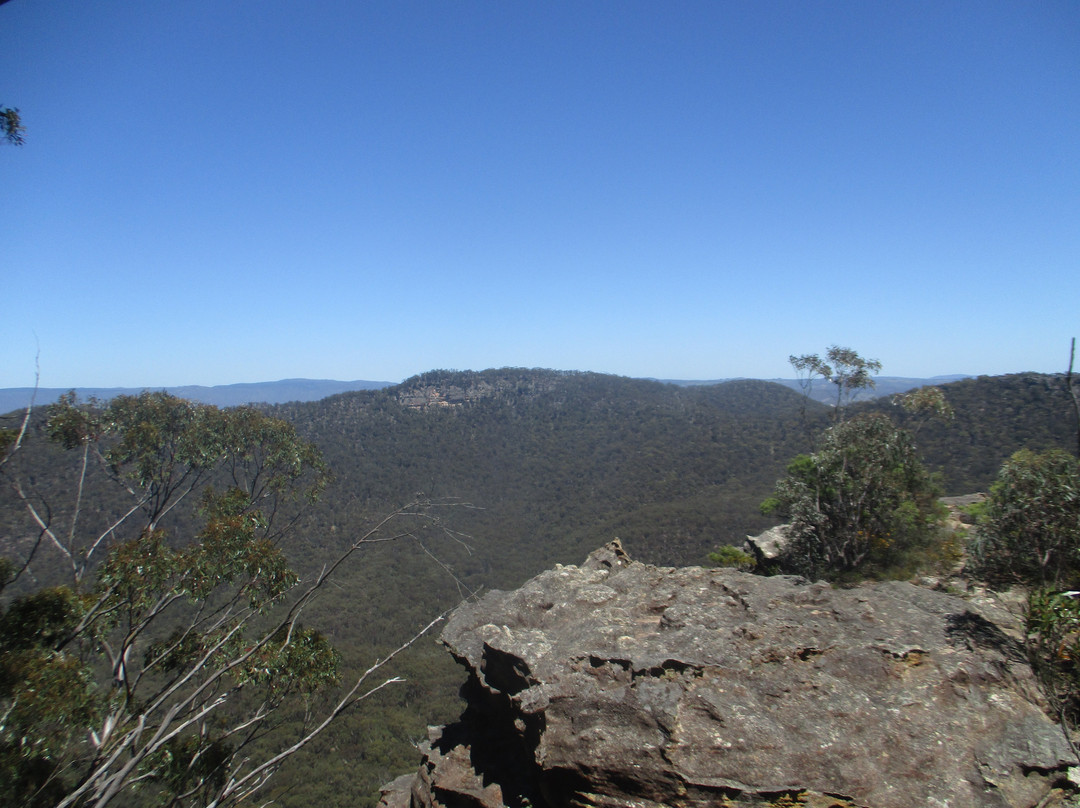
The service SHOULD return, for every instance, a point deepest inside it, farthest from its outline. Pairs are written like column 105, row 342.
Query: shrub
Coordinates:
column 1030, row 533
column 862, row 504
column 1053, row 645
column 733, row 557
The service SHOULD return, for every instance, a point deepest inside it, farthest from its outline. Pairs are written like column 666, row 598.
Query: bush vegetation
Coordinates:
column 1030, row 526
column 1029, row 535
column 861, row 505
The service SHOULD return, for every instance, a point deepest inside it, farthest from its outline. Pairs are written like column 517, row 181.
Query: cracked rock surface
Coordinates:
column 619, row 684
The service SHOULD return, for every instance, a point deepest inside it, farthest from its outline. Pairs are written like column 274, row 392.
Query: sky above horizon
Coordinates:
column 212, row 193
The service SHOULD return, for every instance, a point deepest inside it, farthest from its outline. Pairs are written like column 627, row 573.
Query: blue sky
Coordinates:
column 216, row 192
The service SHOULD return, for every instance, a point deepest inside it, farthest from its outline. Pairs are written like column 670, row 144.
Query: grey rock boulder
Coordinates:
column 768, row 544
column 618, row 684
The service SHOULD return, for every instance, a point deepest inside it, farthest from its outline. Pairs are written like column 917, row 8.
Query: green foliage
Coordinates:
column 927, row 401
column 975, row 512
column 995, row 416
column 165, row 445
column 48, row 617
column 7, row 572
column 71, row 425
column 1029, row 534
column 727, row 556
column 47, row 694
column 848, row 371
column 924, row 404
column 162, row 661
column 7, row 441
column 11, row 127
column 560, row 462
column 189, row 765
column 862, row 502
column 1053, row 644
column 563, row 462
column 1072, row 388
column 1031, row 530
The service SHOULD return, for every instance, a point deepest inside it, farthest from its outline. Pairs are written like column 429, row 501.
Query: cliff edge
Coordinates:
column 616, row 684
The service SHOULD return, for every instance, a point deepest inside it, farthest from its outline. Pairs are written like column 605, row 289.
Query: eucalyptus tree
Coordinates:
column 1030, row 530
column 842, row 367
column 165, row 655
column 11, row 126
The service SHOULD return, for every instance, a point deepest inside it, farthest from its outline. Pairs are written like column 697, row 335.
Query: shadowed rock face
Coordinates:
column 620, row 684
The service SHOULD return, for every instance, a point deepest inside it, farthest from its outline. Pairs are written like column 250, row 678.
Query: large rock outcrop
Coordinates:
column 617, row 684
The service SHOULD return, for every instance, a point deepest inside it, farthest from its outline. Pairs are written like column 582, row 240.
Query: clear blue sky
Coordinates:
column 216, row 192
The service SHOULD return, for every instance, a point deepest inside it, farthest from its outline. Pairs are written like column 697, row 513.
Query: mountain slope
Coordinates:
column 561, row 460
column 825, row 393
column 995, row 416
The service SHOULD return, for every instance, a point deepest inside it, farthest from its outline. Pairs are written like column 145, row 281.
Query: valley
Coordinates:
column 534, row 468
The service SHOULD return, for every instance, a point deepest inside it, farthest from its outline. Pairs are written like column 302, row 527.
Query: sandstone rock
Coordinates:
column 618, row 684
column 768, row 544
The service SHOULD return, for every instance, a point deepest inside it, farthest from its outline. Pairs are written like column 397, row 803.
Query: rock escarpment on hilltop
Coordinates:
column 618, row 684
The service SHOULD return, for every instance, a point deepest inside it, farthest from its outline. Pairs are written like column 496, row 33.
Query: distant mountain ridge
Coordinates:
column 222, row 395
column 288, row 390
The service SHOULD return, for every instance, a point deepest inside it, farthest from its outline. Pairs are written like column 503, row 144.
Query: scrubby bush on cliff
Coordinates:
column 1030, row 532
column 732, row 558
column 862, row 503
column 165, row 662
column 1053, row 645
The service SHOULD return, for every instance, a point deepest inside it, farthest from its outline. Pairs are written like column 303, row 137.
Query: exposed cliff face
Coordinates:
column 442, row 388
column 618, row 684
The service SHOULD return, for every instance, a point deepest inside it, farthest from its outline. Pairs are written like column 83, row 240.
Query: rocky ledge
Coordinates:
column 617, row 684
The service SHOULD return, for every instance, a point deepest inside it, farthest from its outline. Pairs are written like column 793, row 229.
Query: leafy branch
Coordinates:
column 170, row 665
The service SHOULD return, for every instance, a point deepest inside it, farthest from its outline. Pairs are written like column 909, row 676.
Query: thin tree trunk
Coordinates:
column 1071, row 388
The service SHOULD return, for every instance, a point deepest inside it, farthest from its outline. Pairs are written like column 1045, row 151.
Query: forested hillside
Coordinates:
column 560, row 462
column 543, row 467
column 995, row 416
